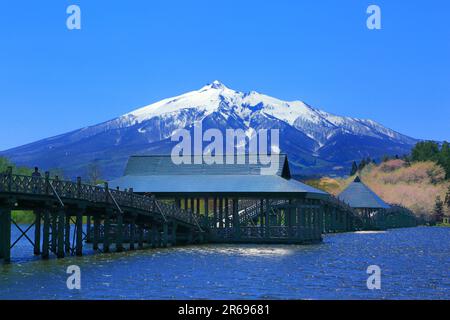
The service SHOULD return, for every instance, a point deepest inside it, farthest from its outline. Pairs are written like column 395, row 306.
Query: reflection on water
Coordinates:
column 415, row 264
column 369, row 232
column 260, row 252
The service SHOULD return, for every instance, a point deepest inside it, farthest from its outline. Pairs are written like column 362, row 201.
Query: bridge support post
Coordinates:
column 267, row 219
column 2, row 239
column 61, row 225
column 321, row 220
column 140, row 237
column 190, row 236
column 79, row 235
column 310, row 220
column 227, row 213
column 319, row 227
column 261, row 218
column 300, row 234
column 236, row 222
column 96, row 235
column 314, row 217
column 67, row 234
column 215, row 212
column 54, row 227
column 37, row 233
column 119, row 233
column 304, row 220
column 46, row 235
column 333, row 220
column 221, row 213
column 5, row 235
column 174, row 234
column 148, row 239
column 165, row 234
column 132, row 233
column 88, row 229
column 206, row 205
column 106, row 231
column 154, row 233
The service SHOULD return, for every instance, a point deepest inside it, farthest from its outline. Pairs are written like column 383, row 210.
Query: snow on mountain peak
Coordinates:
column 216, row 97
column 217, row 85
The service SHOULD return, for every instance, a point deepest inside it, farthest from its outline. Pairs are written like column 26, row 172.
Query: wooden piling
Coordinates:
column 54, row 227
column 88, row 229
column 37, row 232
column 303, row 218
column 140, row 237
column 154, row 236
column 165, row 234
column 236, row 223
column 267, row 219
column 261, row 218
column 299, row 214
column 79, row 234
column 215, row 212
column 174, row 234
column 149, row 236
column 96, row 237
column 119, row 232
column 2, row 233
column 132, row 234
column 5, row 236
column 60, row 231
column 206, row 204
column 221, row 213
column 46, row 235
column 227, row 213
column 67, row 234
column 106, row 231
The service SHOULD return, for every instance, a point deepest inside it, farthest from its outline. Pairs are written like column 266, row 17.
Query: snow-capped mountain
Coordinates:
column 316, row 141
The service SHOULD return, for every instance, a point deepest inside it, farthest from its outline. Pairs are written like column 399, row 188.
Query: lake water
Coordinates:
column 415, row 264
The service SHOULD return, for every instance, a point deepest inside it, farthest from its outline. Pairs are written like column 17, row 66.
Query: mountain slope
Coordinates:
column 316, row 141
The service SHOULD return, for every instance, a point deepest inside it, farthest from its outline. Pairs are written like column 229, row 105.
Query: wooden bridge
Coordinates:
column 61, row 208
column 67, row 215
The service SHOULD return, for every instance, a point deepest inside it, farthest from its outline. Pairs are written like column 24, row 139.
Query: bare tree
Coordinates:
column 94, row 173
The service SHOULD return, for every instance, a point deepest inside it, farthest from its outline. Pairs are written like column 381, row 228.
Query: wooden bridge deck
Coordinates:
column 58, row 204
column 113, row 218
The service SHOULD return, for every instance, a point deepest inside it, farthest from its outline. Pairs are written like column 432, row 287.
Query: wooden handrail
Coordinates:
column 76, row 190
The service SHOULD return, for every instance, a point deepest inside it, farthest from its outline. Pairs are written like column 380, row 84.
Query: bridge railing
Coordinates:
column 333, row 201
column 46, row 186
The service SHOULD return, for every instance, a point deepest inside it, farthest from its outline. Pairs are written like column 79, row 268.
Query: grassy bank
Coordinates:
column 27, row 217
column 22, row 216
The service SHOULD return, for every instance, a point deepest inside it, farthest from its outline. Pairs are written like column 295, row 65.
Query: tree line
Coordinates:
column 433, row 151
column 422, row 151
column 92, row 171
column 440, row 207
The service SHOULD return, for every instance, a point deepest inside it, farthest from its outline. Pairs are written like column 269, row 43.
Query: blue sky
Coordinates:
column 132, row 53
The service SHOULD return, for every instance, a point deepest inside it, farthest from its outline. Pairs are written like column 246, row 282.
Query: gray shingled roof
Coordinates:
column 163, row 165
column 358, row 195
column 158, row 174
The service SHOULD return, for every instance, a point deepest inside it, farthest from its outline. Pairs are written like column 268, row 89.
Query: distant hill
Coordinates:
column 414, row 186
